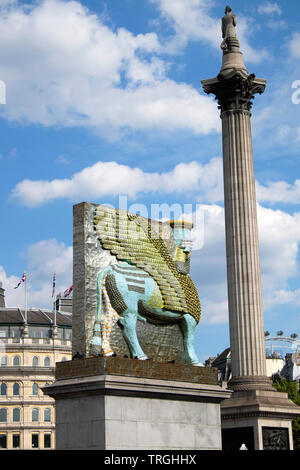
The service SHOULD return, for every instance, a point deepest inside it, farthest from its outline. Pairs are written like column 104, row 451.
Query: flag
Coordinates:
column 68, row 291
column 23, row 279
column 53, row 285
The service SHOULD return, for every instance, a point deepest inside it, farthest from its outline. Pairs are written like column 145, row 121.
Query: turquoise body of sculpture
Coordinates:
column 150, row 281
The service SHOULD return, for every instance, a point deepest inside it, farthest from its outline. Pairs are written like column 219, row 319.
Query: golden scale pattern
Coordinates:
column 130, row 238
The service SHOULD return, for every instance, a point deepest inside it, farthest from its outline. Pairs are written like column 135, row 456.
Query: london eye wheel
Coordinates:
column 278, row 346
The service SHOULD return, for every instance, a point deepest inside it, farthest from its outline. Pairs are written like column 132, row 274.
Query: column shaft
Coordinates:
column 242, row 247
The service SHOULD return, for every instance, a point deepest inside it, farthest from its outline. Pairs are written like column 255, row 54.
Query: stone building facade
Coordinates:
column 28, row 353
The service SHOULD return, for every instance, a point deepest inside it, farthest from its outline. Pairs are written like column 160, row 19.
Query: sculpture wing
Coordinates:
column 133, row 239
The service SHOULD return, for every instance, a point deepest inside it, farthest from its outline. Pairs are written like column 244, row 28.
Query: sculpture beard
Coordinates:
column 182, row 260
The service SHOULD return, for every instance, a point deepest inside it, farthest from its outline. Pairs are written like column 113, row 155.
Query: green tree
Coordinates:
column 291, row 388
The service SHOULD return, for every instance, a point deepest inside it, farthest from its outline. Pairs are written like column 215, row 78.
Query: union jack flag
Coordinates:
column 23, row 279
column 68, row 291
column 53, row 285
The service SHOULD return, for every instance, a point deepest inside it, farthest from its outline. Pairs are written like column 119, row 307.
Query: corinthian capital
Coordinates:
column 236, row 91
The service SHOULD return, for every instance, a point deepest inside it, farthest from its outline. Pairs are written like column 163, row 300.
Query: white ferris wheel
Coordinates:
column 278, row 346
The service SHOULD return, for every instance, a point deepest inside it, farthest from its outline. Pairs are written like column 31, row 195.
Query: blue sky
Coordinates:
column 104, row 98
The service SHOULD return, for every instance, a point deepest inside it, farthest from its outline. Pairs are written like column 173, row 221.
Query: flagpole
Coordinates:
column 54, row 296
column 54, row 310
column 25, row 282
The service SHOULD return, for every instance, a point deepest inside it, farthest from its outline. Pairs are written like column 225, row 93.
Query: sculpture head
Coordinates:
column 182, row 234
column 228, row 9
column 183, row 241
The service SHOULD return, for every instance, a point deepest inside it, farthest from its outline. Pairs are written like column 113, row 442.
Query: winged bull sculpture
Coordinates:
column 148, row 281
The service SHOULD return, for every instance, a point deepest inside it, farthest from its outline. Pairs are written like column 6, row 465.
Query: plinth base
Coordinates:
column 260, row 419
column 100, row 404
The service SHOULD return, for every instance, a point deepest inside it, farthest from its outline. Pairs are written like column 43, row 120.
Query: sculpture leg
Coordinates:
column 108, row 319
column 95, row 345
column 128, row 324
column 188, row 324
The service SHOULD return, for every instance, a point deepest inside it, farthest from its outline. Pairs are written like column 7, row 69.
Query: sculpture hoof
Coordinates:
column 109, row 353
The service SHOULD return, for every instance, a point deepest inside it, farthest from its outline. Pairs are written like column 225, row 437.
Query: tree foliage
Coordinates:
column 292, row 389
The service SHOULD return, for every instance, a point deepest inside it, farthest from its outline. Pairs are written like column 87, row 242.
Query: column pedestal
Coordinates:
column 116, row 403
column 260, row 419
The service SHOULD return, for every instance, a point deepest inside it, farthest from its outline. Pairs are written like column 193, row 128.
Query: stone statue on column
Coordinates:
column 229, row 22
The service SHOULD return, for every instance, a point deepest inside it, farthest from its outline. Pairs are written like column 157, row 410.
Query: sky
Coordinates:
column 103, row 101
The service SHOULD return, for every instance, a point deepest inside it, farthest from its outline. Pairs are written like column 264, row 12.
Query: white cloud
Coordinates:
column 280, row 24
column 191, row 20
column 43, row 259
column 294, row 46
column 203, row 181
column 284, row 296
column 279, row 237
column 283, row 131
column 7, row 3
column 279, row 243
column 269, row 8
column 214, row 312
column 12, row 295
column 279, row 191
column 63, row 66
column 49, row 256
column 208, row 265
column 110, row 178
column 62, row 159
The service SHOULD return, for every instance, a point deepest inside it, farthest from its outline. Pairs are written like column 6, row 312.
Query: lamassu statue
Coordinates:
column 149, row 281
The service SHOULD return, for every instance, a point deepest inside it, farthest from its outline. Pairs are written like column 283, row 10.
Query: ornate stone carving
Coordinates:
column 245, row 383
column 275, row 439
column 234, row 88
column 235, row 92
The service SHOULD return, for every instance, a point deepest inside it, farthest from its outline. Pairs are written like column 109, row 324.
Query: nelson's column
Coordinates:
column 256, row 415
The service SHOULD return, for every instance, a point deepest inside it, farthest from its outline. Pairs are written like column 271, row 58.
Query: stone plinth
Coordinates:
column 134, row 368
column 101, row 403
column 262, row 418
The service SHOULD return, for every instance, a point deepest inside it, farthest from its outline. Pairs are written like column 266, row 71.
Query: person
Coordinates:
column 228, row 27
